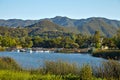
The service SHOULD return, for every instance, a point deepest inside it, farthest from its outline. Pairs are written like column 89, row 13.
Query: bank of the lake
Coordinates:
column 72, row 50
column 107, row 54
column 59, row 70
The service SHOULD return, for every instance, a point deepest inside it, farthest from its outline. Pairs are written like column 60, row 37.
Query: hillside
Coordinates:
column 90, row 25
column 17, row 22
column 107, row 27
column 46, row 25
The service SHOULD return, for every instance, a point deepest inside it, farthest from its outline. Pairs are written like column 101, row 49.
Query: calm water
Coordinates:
column 36, row 60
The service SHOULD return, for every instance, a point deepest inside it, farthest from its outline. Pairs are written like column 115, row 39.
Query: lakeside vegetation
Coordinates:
column 59, row 70
column 69, row 42
column 14, row 37
column 107, row 54
column 24, row 37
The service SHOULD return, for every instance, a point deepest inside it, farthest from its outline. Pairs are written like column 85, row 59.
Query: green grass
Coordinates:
column 59, row 70
column 17, row 75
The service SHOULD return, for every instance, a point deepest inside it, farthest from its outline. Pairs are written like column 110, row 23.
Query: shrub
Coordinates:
column 86, row 72
column 60, row 68
column 109, row 70
column 8, row 63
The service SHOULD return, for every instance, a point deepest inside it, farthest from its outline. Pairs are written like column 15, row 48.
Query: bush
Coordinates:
column 8, row 63
column 86, row 72
column 60, row 68
column 109, row 70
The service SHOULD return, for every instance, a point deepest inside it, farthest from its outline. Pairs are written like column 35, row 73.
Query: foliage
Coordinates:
column 71, row 77
column 26, row 42
column 109, row 70
column 34, row 36
column 81, row 40
column 37, row 41
column 108, row 54
column 96, row 39
column 8, row 63
column 2, row 49
column 110, row 42
column 86, row 72
column 24, row 37
column 13, row 32
column 60, row 68
column 16, row 75
column 8, row 42
column 117, row 39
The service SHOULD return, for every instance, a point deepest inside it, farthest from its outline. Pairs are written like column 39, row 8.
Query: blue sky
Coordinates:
column 77, row 9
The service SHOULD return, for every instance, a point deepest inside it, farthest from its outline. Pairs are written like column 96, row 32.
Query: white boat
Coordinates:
column 17, row 50
column 40, row 51
column 46, row 51
column 29, row 51
column 22, row 50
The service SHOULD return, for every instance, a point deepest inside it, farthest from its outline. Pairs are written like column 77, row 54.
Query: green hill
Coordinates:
column 107, row 27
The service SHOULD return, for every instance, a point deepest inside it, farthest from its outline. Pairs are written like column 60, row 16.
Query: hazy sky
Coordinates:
column 77, row 9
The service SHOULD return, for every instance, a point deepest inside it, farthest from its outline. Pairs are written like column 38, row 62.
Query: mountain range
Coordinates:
column 107, row 27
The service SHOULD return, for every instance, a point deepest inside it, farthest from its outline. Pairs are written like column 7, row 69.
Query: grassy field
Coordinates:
column 10, row 70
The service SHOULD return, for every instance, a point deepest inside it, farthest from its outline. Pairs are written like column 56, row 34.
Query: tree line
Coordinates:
column 13, row 37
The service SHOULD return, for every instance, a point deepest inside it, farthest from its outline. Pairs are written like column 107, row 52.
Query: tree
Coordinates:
column 48, row 43
column 117, row 39
column 0, row 40
column 26, row 42
column 96, row 39
column 57, row 42
column 67, row 42
column 74, row 45
column 7, row 41
column 81, row 40
column 37, row 41
column 109, row 42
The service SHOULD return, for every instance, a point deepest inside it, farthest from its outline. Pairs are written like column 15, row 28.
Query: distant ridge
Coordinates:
column 106, row 26
column 17, row 22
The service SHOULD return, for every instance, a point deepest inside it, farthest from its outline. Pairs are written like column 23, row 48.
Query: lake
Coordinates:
column 36, row 60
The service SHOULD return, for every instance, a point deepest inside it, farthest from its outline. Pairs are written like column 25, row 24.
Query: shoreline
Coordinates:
column 57, row 50
column 107, row 54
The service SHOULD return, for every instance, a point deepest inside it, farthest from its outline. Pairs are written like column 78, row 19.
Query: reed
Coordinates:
column 60, row 68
